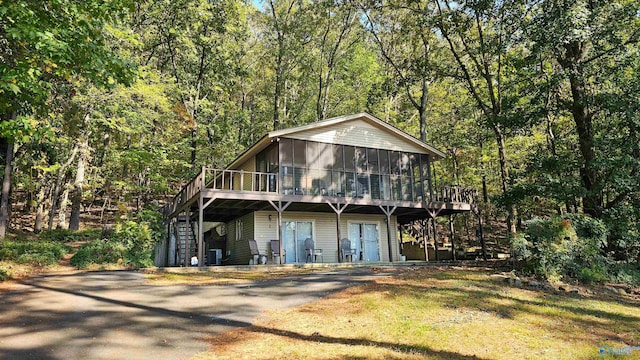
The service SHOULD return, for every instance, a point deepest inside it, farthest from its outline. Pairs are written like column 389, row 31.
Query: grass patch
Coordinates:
column 21, row 257
column 433, row 313
column 227, row 276
column 36, row 252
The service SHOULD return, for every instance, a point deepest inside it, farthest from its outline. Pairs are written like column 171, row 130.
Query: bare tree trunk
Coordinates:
column 504, row 177
column 76, row 196
column 40, row 199
column 6, row 189
column 422, row 109
column 58, row 186
column 62, row 215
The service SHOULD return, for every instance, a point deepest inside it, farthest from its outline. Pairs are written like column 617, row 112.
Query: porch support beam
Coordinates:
column 434, row 214
column 451, row 234
column 423, row 225
column 388, row 210
column 187, row 245
column 201, row 228
column 280, row 208
column 475, row 208
column 338, row 209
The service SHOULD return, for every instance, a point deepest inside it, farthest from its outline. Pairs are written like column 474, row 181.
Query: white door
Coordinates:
column 364, row 237
column 294, row 233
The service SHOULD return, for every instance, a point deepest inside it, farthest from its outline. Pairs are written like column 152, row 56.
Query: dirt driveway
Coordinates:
column 119, row 315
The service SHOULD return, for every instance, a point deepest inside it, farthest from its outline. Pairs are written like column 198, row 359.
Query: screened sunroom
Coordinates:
column 303, row 167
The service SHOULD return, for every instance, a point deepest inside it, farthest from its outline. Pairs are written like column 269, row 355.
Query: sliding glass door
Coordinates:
column 294, row 233
column 364, row 237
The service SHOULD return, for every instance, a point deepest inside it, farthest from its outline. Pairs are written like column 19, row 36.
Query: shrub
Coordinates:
column 4, row 273
column 131, row 243
column 628, row 273
column 37, row 253
column 64, row 235
column 569, row 247
column 138, row 240
column 99, row 252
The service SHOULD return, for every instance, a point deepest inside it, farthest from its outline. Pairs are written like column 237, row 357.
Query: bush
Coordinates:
column 568, row 247
column 63, row 235
column 4, row 273
column 626, row 273
column 130, row 244
column 37, row 253
column 99, row 252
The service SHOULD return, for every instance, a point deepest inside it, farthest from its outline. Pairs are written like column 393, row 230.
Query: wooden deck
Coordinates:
column 229, row 193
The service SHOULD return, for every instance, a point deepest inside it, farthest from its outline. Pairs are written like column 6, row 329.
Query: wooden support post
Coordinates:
column 338, row 209
column 424, row 223
column 280, row 208
column 451, row 234
column 201, row 228
column 388, row 210
column 435, row 238
column 478, row 213
column 401, row 242
column 187, row 246
column 166, row 256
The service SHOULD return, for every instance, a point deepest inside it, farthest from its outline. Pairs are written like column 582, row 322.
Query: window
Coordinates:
column 361, row 160
column 299, row 153
column 372, row 161
column 375, row 186
column 338, row 157
column 286, row 152
column 239, row 229
column 349, row 158
column 395, row 162
column 313, row 156
column 384, row 162
column 325, row 156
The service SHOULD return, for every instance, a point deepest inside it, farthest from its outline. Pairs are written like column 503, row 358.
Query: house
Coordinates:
column 352, row 177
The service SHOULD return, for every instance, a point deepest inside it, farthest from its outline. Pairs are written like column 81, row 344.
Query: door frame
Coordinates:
column 367, row 222
column 313, row 234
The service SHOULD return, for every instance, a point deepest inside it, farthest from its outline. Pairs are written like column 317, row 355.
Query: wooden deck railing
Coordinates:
column 253, row 181
column 227, row 180
column 457, row 194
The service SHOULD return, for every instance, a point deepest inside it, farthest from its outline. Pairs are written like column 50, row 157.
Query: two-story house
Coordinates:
column 352, row 177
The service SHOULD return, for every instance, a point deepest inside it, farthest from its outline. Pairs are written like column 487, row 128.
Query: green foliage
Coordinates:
column 33, row 252
column 628, row 273
column 99, row 252
column 4, row 273
column 569, row 247
column 64, row 235
column 131, row 243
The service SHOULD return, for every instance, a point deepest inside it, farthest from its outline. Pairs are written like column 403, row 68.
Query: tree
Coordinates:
column 41, row 45
column 407, row 43
column 585, row 37
column 483, row 38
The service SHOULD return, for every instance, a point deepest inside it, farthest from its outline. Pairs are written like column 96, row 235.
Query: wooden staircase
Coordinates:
column 185, row 239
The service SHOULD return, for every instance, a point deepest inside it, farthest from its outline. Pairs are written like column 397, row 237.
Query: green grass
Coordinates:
column 439, row 314
column 33, row 252
column 193, row 276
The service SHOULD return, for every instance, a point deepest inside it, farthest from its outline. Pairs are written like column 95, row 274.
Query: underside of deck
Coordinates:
column 224, row 205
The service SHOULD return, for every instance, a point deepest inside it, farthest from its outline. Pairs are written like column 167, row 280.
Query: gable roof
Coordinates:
column 366, row 117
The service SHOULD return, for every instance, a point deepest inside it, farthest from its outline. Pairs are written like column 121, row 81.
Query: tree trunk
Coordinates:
column 6, row 189
column 40, row 199
column 591, row 201
column 76, row 196
column 58, row 186
column 422, row 110
column 504, row 177
column 62, row 215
